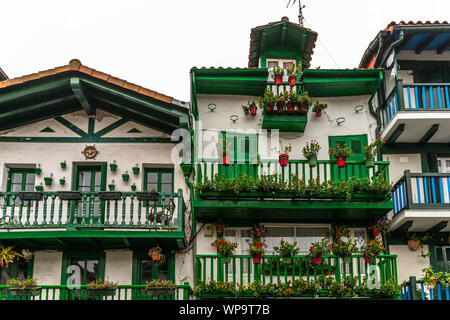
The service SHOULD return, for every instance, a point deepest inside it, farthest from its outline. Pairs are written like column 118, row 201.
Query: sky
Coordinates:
column 154, row 44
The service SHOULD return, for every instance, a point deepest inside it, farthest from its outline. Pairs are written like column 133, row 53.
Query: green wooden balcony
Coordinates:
column 107, row 215
column 249, row 206
column 123, row 292
column 242, row 271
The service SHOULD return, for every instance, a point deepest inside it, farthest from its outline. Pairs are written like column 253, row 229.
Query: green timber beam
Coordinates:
column 77, row 88
column 444, row 46
column 396, row 134
column 425, row 43
column 405, row 226
column 429, row 134
column 62, row 242
column 438, row 227
column 26, row 92
column 71, row 126
column 340, row 80
column 126, row 242
column 86, row 139
column 283, row 35
column 91, row 234
column 111, row 127
column 169, row 110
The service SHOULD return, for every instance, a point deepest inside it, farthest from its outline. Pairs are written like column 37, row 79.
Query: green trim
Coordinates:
column 134, row 130
column 285, row 123
column 71, row 126
column 78, row 91
column 48, row 129
column 82, row 255
column 86, row 139
column 111, row 127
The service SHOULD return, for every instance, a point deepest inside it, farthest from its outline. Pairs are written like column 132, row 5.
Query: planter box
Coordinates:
column 215, row 295
column 285, row 123
column 70, row 195
column 159, row 292
column 147, row 196
column 245, row 294
column 25, row 292
column 110, row 195
column 27, row 196
column 92, row 293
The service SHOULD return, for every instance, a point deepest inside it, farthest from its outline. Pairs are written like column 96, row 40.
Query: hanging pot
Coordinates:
column 257, row 244
column 111, row 187
column 280, row 107
column 256, row 260
column 370, row 162
column 312, row 161
column 219, row 229
column 340, row 162
column 226, row 259
column 366, row 260
column 318, row 113
column 253, row 110
column 155, row 256
column 414, row 244
column 317, row 260
column 347, row 259
column 375, row 233
column 283, row 158
column 292, row 80
column 226, row 159
column 278, row 80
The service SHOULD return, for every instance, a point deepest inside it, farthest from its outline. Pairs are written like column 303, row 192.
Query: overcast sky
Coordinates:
column 155, row 43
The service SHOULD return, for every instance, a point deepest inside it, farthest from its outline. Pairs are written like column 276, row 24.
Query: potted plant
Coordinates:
column 267, row 102
column 113, row 166
column 380, row 226
column 257, row 252
column 100, row 288
column 136, row 169
column 215, row 289
column 310, row 152
column 292, row 101
column 371, row 249
column 305, row 102
column 258, row 232
column 39, row 187
column 414, row 242
column 111, row 186
column 125, row 176
column 224, row 147
column 281, row 101
column 372, row 149
column 133, row 187
column 7, row 256
column 286, row 250
column 160, row 288
column 27, row 288
column 63, row 164
column 48, row 180
column 38, row 170
column 292, row 73
column 318, row 107
column 345, row 249
column 156, row 255
column 318, row 249
column 250, row 109
column 277, row 75
column 225, row 249
column 284, row 157
column 340, row 154
column 62, row 181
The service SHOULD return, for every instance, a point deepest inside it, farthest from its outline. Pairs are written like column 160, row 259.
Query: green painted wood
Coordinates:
column 78, row 91
column 285, row 123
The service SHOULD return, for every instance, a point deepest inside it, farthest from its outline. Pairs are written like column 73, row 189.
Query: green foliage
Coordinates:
column 293, row 70
column 246, row 108
column 256, row 251
column 372, row 149
column 431, row 278
column 338, row 230
column 380, row 226
column 319, row 106
column 225, row 248
column 340, row 151
column 344, row 248
column 277, row 71
column 372, row 249
column 311, row 149
column 319, row 248
column 286, row 249
column 269, row 99
column 215, row 287
column 169, row 284
column 100, row 284
column 29, row 283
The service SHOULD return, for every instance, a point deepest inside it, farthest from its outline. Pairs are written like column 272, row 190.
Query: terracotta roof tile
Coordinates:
column 75, row 65
column 412, row 23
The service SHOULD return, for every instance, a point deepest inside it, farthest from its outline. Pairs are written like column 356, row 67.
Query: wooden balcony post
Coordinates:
column 413, row 287
column 408, row 188
column 400, row 95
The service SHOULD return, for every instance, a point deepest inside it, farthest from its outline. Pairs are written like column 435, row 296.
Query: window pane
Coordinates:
column 22, row 267
column 166, row 178
column 152, row 186
column 17, row 178
column 30, row 178
column 447, row 253
column 439, row 254
column 271, row 64
column 287, row 65
column 5, row 275
column 166, row 188
column 29, row 187
column 229, row 235
column 306, row 236
column 16, row 187
column 85, row 178
column 152, row 177
column 98, row 178
column 274, row 236
column 146, row 271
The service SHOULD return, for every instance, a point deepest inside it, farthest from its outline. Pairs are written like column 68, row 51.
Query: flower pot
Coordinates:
column 136, row 170
column 219, row 229
column 113, row 166
column 111, row 187
column 269, row 109
column 312, row 161
column 347, row 259
column 318, row 113
column 414, row 244
column 256, row 260
column 283, row 158
column 63, row 165
column 226, row 160
column 370, row 163
column 292, row 80
column 226, row 259
column 375, row 233
column 39, row 188
column 48, row 181
column 341, row 162
column 278, row 80
column 253, row 110
column 366, row 260
column 125, row 177
column 62, row 182
column 133, row 187
column 154, row 291
column 317, row 260
column 302, row 110
column 280, row 107
column 92, row 293
column 257, row 244
column 287, row 260
column 37, row 171
column 290, row 109
column 25, row 292
column 155, row 256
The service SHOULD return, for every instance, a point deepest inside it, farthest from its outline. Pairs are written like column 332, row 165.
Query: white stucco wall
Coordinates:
column 409, row 263
column 401, row 162
column 119, row 266
column 47, row 267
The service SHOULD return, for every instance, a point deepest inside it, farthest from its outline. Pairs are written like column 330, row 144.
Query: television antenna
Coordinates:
column 300, row 12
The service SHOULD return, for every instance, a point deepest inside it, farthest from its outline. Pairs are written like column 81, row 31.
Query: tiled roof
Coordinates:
column 75, row 65
column 412, row 23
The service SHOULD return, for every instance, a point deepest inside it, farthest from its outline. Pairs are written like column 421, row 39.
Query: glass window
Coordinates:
column 306, row 236
column 287, row 65
column 274, row 236
column 271, row 64
column 160, row 180
column 152, row 271
column 20, row 180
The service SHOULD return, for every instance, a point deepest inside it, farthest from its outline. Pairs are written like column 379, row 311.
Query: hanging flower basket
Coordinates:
column 155, row 256
column 340, row 162
column 256, row 260
column 62, row 182
column 136, row 170
column 370, row 163
column 25, row 292
column 258, row 244
column 375, row 233
column 219, row 229
column 366, row 260
column 318, row 113
column 39, row 188
column 283, row 158
column 113, row 167
column 111, row 187
column 312, row 161
column 292, row 80
column 253, row 110
column 317, row 260
column 414, row 244
column 125, row 177
column 63, row 165
column 226, row 259
column 226, row 159
column 48, row 181
column 278, row 80
column 37, row 171
column 269, row 109
column 133, row 187
column 347, row 259
column 92, row 293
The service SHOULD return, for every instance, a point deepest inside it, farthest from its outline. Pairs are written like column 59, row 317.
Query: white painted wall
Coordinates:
column 409, row 263
column 401, row 162
column 119, row 266
column 47, row 267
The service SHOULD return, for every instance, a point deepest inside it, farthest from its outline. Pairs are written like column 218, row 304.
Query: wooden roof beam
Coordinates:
column 429, row 134
column 78, row 91
column 426, row 42
column 442, row 48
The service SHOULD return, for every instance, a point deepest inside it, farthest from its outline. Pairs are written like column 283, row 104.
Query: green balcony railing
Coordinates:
column 96, row 209
column 242, row 270
column 123, row 292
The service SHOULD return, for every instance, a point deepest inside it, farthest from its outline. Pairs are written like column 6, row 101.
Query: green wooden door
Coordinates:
column 244, row 147
column 90, row 180
column 355, row 143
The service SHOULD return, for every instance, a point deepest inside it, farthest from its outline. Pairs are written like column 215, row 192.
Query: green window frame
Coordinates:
column 354, row 142
column 159, row 173
column 24, row 183
column 93, row 168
